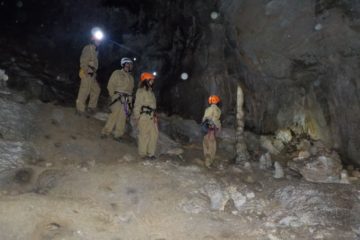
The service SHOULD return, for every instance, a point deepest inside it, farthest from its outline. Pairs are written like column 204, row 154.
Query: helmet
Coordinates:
column 126, row 60
column 147, row 76
column 213, row 99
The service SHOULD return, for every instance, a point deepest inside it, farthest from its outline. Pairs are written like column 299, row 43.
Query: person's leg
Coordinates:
column 83, row 94
column 112, row 119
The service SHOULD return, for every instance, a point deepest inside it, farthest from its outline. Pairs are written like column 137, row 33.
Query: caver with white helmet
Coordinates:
column 126, row 64
column 120, row 87
column 125, row 60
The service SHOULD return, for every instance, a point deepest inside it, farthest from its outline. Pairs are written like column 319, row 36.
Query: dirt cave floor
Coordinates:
column 84, row 187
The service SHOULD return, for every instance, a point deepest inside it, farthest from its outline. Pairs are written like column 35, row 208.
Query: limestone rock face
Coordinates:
column 303, row 53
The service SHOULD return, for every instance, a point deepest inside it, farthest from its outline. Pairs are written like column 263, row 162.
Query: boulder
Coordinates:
column 185, row 130
column 283, row 135
column 321, row 168
column 267, row 144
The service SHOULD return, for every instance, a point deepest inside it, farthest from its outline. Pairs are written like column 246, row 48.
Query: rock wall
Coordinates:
column 301, row 65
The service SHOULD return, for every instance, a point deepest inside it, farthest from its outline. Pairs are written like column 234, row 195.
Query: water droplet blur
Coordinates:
column 184, row 76
column 214, row 15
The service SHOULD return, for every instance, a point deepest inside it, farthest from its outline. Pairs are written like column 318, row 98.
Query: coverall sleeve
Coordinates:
column 85, row 58
column 111, row 84
column 206, row 114
column 138, row 104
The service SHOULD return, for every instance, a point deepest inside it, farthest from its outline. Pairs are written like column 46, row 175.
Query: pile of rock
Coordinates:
column 317, row 163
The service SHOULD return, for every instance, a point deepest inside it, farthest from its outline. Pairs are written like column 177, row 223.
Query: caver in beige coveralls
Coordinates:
column 213, row 114
column 144, row 110
column 88, row 86
column 121, row 84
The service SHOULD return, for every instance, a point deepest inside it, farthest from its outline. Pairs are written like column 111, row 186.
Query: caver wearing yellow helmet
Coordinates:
column 211, row 122
column 145, row 115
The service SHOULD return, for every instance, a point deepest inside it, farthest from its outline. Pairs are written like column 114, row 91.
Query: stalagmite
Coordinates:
column 265, row 161
column 242, row 155
column 279, row 171
column 344, row 177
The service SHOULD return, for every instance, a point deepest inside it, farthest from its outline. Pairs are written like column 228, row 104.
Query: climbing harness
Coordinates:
column 126, row 100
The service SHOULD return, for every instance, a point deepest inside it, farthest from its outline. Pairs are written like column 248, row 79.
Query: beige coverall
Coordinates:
column 147, row 124
column 123, row 82
column 212, row 113
column 88, row 85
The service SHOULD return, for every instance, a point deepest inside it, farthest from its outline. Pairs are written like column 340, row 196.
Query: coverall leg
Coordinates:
column 209, row 146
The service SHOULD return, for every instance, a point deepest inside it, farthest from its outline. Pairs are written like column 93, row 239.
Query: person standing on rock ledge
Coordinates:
column 120, row 87
column 145, row 117
column 89, row 87
column 211, row 123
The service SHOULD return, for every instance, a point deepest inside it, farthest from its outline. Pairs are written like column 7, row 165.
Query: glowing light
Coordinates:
column 97, row 33
column 214, row 15
column 184, row 76
column 154, row 73
column 134, row 59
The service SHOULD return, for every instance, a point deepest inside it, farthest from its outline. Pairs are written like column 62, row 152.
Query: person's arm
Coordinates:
column 85, row 59
column 111, row 84
column 137, row 105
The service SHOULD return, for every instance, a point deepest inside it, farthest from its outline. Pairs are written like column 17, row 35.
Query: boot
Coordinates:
column 91, row 111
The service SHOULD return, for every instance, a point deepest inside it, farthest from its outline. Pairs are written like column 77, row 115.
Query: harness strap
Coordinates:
column 122, row 98
column 147, row 110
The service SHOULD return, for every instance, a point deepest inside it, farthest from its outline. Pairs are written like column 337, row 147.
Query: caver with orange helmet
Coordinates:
column 214, row 99
column 147, row 76
column 211, row 121
column 145, row 115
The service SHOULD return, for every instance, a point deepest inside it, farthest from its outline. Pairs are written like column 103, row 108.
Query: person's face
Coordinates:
column 151, row 82
column 128, row 67
column 97, row 42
